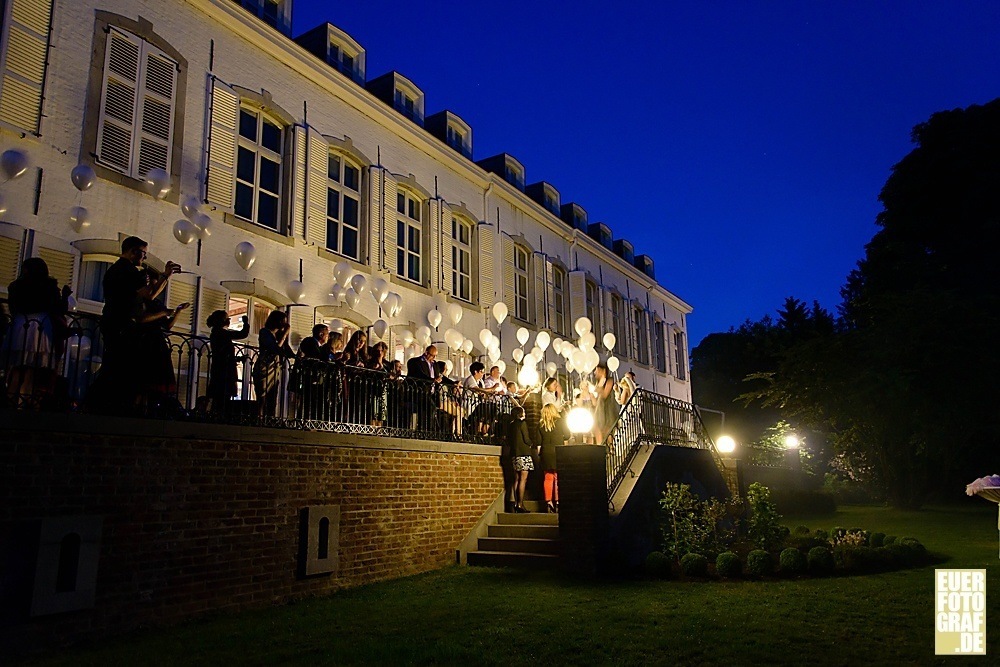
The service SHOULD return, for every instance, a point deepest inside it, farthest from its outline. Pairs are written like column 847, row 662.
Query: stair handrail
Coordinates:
column 671, row 421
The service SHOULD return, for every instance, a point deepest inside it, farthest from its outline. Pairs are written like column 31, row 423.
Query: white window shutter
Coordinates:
column 179, row 291
column 22, row 81
column 300, row 320
column 508, row 274
column 541, row 290
column 10, row 257
column 318, row 163
column 432, row 253
column 613, row 325
column 212, row 299
column 486, row 238
column 446, row 249
column 61, row 264
column 389, row 232
column 220, row 183
column 375, row 214
column 155, row 114
column 115, row 128
column 550, row 292
column 299, row 175
column 578, row 300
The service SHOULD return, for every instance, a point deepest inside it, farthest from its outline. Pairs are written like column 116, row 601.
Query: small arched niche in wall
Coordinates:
column 319, row 540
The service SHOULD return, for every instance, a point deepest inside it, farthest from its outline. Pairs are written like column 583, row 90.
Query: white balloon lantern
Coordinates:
column 380, row 289
column 551, row 369
column 246, row 255
column 449, row 365
column 452, row 338
column 406, row 337
column 184, row 231
column 542, row 340
column 537, row 353
column 380, row 327
column 569, row 366
column 500, row 312
column 501, row 364
column 203, row 221
column 423, row 335
column 342, row 274
column 392, row 304
column 434, row 318
column 579, row 359
column 557, row 345
column 454, row 313
column 582, row 325
column 13, row 163
column 467, row 346
column 296, row 291
column 338, row 293
column 397, row 303
column 79, row 218
column 609, row 341
column 527, row 376
column 522, row 335
column 360, row 284
column 352, row 298
column 518, row 355
column 588, row 340
column 337, row 325
column 493, row 354
column 613, row 364
column 592, row 359
column 486, row 337
column 190, row 207
column 83, row 177
column 157, row 183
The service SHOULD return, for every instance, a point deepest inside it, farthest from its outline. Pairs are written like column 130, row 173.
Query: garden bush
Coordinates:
column 758, row 563
column 728, row 565
column 890, row 557
column 658, row 565
column 763, row 525
column 694, row 565
column 820, row 561
column 691, row 525
column 876, row 540
column 805, row 542
column 855, row 558
column 889, row 539
column 914, row 545
column 791, row 561
column 822, row 534
column 801, row 530
column 899, row 555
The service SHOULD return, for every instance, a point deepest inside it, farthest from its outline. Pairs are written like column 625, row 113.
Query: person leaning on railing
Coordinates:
column 155, row 368
column 222, row 375
column 32, row 345
column 267, row 369
column 379, row 372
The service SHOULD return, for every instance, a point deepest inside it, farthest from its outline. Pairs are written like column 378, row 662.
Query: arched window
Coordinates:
column 258, row 167
column 461, row 258
column 593, row 305
column 409, row 236
column 343, row 207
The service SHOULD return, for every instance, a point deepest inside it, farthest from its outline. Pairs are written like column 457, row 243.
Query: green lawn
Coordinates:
column 482, row 616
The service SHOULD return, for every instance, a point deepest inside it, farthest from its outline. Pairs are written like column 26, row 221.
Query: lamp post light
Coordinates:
column 725, row 444
column 580, row 420
column 792, row 456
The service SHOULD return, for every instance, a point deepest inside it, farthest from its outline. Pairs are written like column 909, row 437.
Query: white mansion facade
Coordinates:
column 292, row 147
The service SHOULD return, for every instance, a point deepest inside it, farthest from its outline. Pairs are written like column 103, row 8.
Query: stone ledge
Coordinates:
column 35, row 422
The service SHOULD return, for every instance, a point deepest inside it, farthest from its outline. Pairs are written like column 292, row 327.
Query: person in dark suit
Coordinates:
column 308, row 374
column 422, row 367
column 420, row 372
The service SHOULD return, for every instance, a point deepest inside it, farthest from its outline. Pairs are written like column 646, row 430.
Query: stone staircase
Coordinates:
column 519, row 540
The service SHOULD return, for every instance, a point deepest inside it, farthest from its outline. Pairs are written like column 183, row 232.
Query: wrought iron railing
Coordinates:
column 51, row 364
column 648, row 418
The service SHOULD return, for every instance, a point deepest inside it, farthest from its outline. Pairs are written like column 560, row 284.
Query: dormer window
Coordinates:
column 400, row 93
column 275, row 13
column 546, row 195
column 406, row 104
column 514, row 176
column 455, row 138
column 338, row 49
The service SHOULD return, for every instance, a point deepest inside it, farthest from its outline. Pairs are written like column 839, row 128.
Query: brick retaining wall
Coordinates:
column 200, row 518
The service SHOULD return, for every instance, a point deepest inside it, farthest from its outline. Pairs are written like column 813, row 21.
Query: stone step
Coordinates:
column 528, row 545
column 523, row 530
column 511, row 559
column 532, row 518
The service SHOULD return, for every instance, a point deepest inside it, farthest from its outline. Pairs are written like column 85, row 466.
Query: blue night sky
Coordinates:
column 741, row 144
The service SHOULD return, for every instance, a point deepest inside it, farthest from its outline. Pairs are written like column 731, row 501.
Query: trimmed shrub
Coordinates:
column 899, row 555
column 820, row 561
column 890, row 558
column 763, row 523
column 694, row 565
column 855, row 559
column 876, row 540
column 658, row 565
column 801, row 530
column 914, row 545
column 791, row 561
column 889, row 539
column 758, row 563
column 804, row 542
column 728, row 565
column 822, row 534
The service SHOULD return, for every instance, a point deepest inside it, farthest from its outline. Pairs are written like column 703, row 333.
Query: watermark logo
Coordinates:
column 960, row 612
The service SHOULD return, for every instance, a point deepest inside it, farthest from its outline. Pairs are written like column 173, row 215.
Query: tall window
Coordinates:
column 680, row 356
column 135, row 130
column 258, row 168
column 618, row 321
column 659, row 347
column 461, row 259
column 641, row 324
column 406, row 104
column 520, row 283
column 594, row 307
column 343, row 206
column 559, row 299
column 408, row 236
